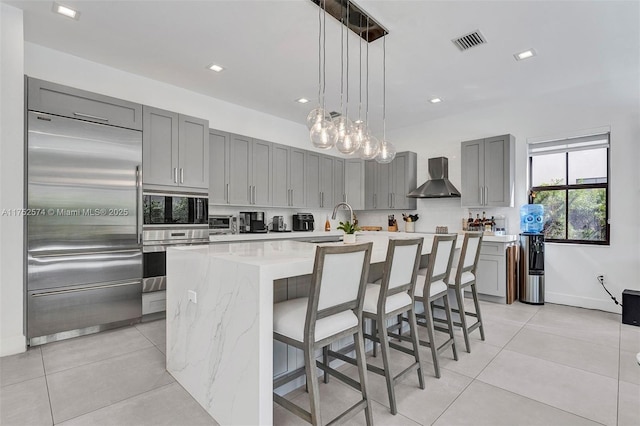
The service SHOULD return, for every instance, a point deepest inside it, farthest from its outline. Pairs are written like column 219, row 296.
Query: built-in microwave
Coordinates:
column 175, row 209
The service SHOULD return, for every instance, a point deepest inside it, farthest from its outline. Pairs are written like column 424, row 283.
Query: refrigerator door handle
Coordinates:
column 139, row 203
column 75, row 290
column 93, row 117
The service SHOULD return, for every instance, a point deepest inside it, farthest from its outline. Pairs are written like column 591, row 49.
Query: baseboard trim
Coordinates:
column 583, row 302
column 13, row 345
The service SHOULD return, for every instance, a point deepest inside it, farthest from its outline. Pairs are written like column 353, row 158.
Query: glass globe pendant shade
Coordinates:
column 387, row 152
column 324, row 134
column 360, row 133
column 369, row 148
column 345, row 142
column 317, row 114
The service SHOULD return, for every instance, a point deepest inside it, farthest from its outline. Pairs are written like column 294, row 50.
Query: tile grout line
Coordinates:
column 108, row 358
column 118, row 402
column 535, row 400
column 619, row 363
column 46, row 383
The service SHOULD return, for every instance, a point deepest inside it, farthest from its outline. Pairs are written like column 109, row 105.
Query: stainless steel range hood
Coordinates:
column 439, row 185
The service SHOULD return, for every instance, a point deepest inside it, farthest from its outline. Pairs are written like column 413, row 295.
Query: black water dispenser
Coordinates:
column 531, row 270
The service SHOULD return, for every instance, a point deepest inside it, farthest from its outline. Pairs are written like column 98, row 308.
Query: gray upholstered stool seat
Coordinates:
column 289, row 318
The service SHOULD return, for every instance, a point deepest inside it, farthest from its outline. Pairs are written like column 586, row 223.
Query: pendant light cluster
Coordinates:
column 349, row 137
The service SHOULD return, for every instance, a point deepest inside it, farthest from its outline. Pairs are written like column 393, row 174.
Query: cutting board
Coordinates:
column 371, row 228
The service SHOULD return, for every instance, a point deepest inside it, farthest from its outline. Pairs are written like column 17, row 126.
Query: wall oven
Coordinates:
column 169, row 220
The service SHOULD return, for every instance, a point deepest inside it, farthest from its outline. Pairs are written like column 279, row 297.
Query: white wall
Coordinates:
column 571, row 270
column 11, row 183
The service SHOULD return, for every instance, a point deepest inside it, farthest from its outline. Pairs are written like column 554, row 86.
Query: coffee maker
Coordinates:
column 252, row 222
column 303, row 222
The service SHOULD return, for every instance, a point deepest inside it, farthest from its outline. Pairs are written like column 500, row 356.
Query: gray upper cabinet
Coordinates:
column 339, row 190
column 404, row 169
column 354, row 183
column 319, row 186
column 488, row 176
column 298, row 178
column 240, row 187
column 387, row 185
column 175, row 150
column 250, row 177
column 370, row 174
column 312, row 184
column 288, row 176
column 160, row 147
column 193, row 152
column 219, row 145
column 47, row 97
column 281, row 175
column 261, row 175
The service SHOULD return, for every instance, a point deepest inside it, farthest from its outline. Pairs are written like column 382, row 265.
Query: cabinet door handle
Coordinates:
column 375, row 199
column 226, row 195
column 481, row 193
column 344, row 198
column 292, row 196
column 486, row 195
column 181, row 175
column 393, row 200
column 254, row 194
column 175, row 175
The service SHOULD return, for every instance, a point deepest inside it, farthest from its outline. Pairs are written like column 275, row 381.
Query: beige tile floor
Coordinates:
column 548, row 365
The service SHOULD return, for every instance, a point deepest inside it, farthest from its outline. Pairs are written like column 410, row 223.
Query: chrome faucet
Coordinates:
column 335, row 210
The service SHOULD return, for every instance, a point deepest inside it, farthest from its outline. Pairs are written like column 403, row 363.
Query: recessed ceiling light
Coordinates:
column 530, row 53
column 215, row 67
column 65, row 11
column 435, row 100
column 302, row 100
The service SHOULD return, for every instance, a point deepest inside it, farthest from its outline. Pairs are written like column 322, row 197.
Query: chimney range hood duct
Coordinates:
column 439, row 185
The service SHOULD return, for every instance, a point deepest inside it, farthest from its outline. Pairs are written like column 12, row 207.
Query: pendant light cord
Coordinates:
column 342, row 63
column 384, row 89
column 367, row 84
column 347, row 76
column 360, row 64
column 319, row 56
column 324, row 52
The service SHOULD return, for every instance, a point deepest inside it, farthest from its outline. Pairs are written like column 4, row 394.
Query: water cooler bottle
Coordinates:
column 531, row 268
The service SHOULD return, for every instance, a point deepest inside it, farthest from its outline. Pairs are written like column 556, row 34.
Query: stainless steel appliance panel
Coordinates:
column 72, row 308
column 82, row 268
column 85, row 181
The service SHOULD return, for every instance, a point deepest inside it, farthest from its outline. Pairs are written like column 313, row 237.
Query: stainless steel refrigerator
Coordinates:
column 84, row 256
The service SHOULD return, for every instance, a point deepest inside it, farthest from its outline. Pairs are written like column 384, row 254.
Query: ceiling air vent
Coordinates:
column 469, row 40
column 335, row 114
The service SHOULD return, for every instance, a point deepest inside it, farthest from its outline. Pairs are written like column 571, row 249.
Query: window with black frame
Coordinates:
column 570, row 177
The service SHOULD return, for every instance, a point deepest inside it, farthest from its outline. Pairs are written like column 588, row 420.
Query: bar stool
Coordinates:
column 465, row 276
column 332, row 311
column 434, row 288
column 388, row 298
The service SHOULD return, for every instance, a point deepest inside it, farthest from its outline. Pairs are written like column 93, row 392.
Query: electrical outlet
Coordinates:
column 193, row 296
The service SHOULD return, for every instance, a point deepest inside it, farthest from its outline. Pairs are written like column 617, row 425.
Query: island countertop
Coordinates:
column 220, row 319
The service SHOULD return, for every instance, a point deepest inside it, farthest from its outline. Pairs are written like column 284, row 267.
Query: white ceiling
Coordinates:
column 269, row 49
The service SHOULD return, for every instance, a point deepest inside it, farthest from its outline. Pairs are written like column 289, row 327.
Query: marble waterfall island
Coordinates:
column 220, row 319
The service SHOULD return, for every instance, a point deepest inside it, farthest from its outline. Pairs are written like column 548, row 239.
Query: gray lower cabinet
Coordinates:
column 354, row 183
column 386, row 185
column 250, row 177
column 488, row 177
column 319, row 186
column 175, row 150
column 491, row 273
column 219, row 166
column 47, row 97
